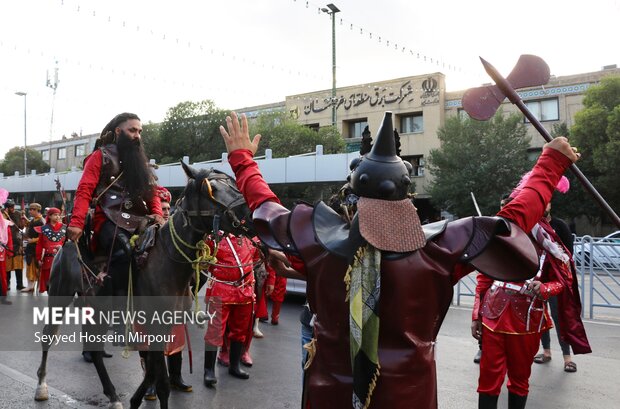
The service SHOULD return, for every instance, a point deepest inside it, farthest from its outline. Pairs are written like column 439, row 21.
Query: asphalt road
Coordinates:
column 275, row 380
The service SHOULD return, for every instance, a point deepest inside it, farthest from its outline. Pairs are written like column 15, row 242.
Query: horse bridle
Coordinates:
column 222, row 209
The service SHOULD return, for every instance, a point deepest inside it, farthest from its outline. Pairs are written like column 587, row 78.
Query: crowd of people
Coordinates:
column 374, row 252
column 29, row 241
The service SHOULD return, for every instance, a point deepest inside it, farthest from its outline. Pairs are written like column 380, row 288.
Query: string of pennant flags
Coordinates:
column 167, row 80
column 383, row 40
column 77, row 7
column 400, row 47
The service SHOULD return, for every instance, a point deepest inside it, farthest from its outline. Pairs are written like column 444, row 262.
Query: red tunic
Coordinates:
column 3, row 258
column 233, row 284
column 51, row 239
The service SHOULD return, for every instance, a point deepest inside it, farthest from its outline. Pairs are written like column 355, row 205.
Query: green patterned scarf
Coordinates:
column 364, row 283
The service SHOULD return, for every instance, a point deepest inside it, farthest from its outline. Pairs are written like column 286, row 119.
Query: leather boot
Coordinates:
column 235, row 350
column 174, row 372
column 516, row 401
column 487, row 401
column 275, row 312
column 210, row 357
column 151, row 393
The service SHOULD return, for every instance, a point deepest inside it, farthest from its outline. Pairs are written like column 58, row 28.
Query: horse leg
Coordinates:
column 153, row 376
column 149, row 379
column 163, row 382
column 41, row 392
column 108, row 387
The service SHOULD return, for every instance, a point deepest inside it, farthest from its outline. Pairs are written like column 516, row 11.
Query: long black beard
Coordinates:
column 136, row 171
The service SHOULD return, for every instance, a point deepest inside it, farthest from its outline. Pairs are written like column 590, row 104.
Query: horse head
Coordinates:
column 211, row 202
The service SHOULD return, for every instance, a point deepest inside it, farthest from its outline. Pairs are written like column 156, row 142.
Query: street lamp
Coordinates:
column 332, row 10
column 23, row 94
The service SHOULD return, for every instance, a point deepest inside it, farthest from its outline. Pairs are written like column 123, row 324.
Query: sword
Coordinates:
column 481, row 103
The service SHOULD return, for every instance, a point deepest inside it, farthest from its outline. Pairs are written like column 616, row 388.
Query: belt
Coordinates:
column 509, row 286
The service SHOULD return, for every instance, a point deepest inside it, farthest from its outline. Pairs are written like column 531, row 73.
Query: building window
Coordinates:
column 356, row 128
column 544, row 110
column 62, row 153
column 315, row 127
column 417, row 162
column 412, row 123
column 463, row 115
column 45, row 155
column 80, row 150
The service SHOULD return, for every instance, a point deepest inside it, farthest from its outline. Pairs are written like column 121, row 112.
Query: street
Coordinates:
column 275, row 380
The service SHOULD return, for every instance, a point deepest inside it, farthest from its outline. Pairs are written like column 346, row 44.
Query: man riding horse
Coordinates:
column 118, row 181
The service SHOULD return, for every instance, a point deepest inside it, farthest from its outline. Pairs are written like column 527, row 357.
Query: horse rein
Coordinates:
column 228, row 208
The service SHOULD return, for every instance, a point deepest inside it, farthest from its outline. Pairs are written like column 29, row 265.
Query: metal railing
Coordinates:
column 598, row 270
column 598, row 265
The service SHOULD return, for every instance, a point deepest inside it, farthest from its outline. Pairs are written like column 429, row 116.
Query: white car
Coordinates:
column 295, row 286
column 605, row 252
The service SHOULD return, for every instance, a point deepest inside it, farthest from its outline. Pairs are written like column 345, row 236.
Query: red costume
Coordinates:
column 6, row 246
column 51, row 239
column 231, row 285
column 513, row 321
column 277, row 296
column 416, row 287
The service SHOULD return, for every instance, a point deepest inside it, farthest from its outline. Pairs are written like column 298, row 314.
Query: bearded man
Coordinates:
column 119, row 183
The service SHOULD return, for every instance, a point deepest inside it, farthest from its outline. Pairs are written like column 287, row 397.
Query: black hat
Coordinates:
column 9, row 203
column 381, row 174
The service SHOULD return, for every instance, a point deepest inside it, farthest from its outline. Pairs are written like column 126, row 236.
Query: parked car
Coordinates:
column 295, row 286
column 605, row 252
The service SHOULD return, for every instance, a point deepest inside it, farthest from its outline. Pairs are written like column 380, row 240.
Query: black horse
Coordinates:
column 209, row 203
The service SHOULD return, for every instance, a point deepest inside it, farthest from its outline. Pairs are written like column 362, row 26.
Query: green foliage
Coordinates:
column 596, row 133
column 486, row 158
column 189, row 128
column 14, row 161
column 285, row 137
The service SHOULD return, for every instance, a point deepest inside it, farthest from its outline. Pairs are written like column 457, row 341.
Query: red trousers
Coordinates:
column 3, row 284
column 44, row 279
column 238, row 318
column 506, row 353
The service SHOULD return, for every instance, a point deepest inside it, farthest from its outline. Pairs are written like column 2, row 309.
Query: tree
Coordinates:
column 486, row 158
column 285, row 137
column 596, row 133
column 189, row 128
column 14, row 161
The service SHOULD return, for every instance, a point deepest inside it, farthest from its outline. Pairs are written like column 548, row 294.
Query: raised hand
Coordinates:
column 237, row 136
column 561, row 144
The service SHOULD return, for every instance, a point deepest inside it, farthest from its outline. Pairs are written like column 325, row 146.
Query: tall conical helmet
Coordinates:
column 381, row 174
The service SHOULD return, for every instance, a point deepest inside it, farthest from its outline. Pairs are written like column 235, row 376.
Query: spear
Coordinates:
column 63, row 196
column 481, row 103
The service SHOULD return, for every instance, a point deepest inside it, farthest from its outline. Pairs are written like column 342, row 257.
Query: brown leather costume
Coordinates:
column 410, row 318
column 110, row 190
column 416, row 285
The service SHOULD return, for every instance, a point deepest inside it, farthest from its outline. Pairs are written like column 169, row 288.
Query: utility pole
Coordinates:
column 53, row 84
column 332, row 10
column 24, row 94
